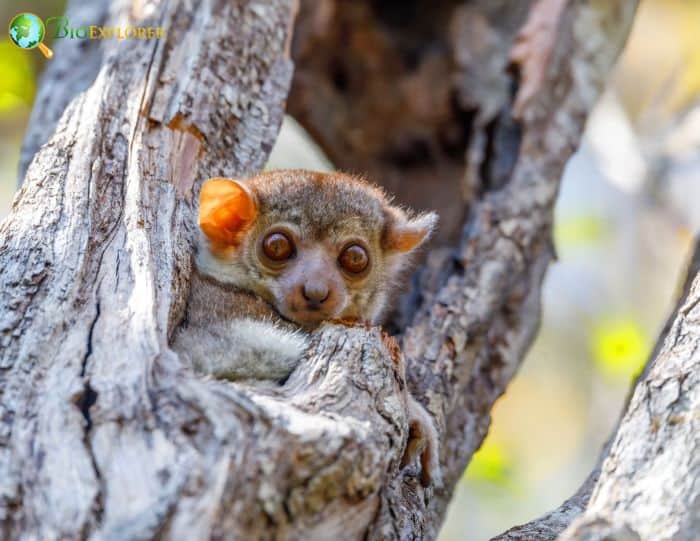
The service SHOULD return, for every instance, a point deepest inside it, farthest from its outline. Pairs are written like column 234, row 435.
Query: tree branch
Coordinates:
column 477, row 309
column 649, row 485
column 549, row 526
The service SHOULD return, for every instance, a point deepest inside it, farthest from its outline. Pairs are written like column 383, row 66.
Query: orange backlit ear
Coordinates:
column 226, row 210
column 403, row 234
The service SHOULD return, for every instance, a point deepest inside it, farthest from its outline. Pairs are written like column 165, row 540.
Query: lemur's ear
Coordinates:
column 226, row 210
column 404, row 234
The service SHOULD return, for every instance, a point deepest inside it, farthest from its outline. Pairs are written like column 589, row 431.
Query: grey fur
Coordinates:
column 243, row 349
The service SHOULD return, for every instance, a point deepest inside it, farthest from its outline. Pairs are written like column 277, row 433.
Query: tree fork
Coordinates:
column 104, row 433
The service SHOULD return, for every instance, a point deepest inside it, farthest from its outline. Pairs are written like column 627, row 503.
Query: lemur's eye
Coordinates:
column 278, row 247
column 354, row 259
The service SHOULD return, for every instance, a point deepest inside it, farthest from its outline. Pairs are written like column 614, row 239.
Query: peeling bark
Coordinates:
column 103, row 433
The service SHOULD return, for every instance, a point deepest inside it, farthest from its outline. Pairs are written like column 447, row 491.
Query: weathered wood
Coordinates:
column 104, row 433
column 549, row 526
column 476, row 310
column 101, row 428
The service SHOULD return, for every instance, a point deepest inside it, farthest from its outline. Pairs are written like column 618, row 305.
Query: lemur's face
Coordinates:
column 316, row 278
column 316, row 246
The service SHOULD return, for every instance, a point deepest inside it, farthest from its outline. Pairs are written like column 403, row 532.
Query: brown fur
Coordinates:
column 323, row 212
column 210, row 300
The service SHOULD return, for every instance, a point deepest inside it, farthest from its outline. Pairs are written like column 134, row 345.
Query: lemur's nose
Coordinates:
column 316, row 293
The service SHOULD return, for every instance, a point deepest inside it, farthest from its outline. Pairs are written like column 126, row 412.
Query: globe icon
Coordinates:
column 27, row 32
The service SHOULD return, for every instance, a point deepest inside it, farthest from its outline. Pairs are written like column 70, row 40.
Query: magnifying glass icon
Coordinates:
column 27, row 31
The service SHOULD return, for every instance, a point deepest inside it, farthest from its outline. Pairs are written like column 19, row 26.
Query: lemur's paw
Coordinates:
column 423, row 444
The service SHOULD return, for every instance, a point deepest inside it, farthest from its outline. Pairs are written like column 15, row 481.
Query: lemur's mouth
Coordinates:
column 309, row 317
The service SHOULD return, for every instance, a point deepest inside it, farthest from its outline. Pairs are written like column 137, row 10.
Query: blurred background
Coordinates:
column 628, row 209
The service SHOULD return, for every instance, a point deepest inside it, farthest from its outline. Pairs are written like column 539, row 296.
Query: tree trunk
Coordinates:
column 105, row 434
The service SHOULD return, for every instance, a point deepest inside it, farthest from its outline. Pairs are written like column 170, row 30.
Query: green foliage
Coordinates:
column 18, row 81
column 491, row 464
column 579, row 231
column 620, row 348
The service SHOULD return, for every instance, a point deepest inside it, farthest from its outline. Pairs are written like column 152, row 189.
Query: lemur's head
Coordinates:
column 317, row 246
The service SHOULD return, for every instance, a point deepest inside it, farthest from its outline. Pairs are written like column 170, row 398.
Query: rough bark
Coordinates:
column 649, row 484
column 104, row 433
column 475, row 310
column 102, row 430
column 551, row 525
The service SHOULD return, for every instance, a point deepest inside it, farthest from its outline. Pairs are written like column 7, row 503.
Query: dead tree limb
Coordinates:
column 452, row 78
column 103, row 433
column 549, row 526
